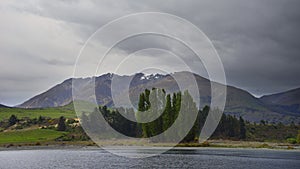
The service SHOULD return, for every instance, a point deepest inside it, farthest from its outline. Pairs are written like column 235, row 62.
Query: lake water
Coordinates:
column 178, row 158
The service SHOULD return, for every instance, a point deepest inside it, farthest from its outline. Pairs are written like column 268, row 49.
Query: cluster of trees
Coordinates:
column 164, row 109
column 229, row 127
column 92, row 122
column 155, row 103
column 265, row 131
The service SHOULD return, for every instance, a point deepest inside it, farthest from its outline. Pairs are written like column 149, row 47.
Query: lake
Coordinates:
column 215, row 158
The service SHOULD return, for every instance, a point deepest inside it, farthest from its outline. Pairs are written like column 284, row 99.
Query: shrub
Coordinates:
column 12, row 120
column 264, row 146
column 61, row 124
column 291, row 140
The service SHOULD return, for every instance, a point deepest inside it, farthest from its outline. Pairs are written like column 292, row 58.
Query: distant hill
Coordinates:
column 239, row 102
column 286, row 102
column 290, row 97
column 3, row 106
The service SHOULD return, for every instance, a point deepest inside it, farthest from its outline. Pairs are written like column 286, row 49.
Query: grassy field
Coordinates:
column 65, row 111
column 29, row 136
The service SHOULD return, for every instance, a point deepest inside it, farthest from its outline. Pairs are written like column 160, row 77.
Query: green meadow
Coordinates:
column 29, row 136
column 65, row 111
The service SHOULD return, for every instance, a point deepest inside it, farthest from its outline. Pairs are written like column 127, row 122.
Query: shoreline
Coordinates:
column 219, row 144
column 57, row 147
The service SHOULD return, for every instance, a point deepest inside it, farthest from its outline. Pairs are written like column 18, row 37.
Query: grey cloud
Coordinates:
column 257, row 40
column 61, row 62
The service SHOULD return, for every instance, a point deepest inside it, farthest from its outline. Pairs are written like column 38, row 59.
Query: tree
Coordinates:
column 61, row 124
column 242, row 129
column 202, row 116
column 167, row 114
column 298, row 137
column 174, row 102
column 142, row 99
column 147, row 99
column 141, row 114
column 189, row 107
column 158, row 103
column 12, row 120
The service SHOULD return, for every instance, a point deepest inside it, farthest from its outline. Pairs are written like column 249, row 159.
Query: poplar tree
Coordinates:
column 242, row 129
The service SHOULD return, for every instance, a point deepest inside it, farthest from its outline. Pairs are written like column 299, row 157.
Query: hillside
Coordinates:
column 285, row 102
column 290, row 97
column 239, row 102
column 66, row 111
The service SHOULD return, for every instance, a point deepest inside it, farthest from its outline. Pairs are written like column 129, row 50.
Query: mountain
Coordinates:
column 286, row 102
column 239, row 102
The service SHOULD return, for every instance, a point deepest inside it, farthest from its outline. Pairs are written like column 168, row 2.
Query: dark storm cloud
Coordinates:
column 258, row 40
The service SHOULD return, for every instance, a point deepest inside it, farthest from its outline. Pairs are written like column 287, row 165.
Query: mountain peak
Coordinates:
column 151, row 76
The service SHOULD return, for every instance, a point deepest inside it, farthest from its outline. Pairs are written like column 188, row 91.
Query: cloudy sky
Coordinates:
column 257, row 40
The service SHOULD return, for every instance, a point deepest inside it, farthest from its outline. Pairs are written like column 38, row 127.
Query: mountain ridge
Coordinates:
column 288, row 101
column 239, row 102
column 292, row 96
